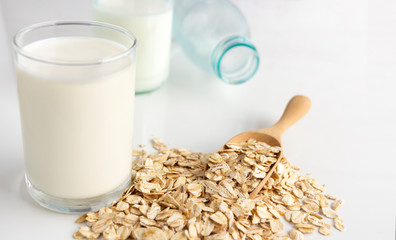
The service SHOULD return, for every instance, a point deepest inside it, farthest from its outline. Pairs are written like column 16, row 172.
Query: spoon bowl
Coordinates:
column 297, row 107
column 258, row 135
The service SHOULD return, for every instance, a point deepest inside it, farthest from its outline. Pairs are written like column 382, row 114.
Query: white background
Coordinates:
column 340, row 53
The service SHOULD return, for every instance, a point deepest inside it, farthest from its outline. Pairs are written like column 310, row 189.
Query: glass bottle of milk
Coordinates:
column 215, row 35
column 151, row 22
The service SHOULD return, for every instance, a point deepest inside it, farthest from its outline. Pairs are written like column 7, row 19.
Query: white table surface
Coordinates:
column 340, row 53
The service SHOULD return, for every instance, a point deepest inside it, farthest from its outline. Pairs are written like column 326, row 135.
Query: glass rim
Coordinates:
column 169, row 6
column 24, row 31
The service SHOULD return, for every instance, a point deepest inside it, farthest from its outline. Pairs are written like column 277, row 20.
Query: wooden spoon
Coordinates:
column 297, row 107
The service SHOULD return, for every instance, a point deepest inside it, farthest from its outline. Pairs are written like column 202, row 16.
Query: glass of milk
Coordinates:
column 151, row 22
column 76, row 95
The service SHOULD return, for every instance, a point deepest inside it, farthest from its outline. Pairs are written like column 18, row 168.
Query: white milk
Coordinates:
column 76, row 120
column 151, row 22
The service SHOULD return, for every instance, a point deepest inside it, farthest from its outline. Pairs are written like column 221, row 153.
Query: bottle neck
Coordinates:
column 235, row 60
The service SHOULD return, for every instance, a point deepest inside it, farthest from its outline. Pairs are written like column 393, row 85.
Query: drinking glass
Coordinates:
column 151, row 22
column 75, row 82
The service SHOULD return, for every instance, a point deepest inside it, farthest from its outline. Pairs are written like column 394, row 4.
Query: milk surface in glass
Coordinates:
column 151, row 23
column 76, row 119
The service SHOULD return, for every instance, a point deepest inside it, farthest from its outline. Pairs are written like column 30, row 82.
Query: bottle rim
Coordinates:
column 225, row 47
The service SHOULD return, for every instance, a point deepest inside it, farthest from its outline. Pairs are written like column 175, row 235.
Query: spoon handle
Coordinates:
column 297, row 107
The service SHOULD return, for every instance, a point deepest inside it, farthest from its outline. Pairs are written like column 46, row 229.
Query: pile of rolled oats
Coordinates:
column 179, row 194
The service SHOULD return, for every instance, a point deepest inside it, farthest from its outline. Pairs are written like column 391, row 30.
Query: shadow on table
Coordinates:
column 12, row 182
column 11, row 176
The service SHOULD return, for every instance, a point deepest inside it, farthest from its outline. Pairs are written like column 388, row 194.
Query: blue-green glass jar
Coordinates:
column 215, row 35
